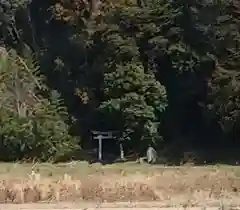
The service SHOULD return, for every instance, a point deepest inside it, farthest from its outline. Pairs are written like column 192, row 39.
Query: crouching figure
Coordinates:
column 151, row 155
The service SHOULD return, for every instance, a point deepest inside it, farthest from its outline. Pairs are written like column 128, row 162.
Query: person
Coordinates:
column 151, row 155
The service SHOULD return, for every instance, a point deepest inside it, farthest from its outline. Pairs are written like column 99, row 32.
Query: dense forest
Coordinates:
column 160, row 72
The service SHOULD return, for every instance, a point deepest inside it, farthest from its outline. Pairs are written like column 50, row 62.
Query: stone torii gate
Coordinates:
column 100, row 136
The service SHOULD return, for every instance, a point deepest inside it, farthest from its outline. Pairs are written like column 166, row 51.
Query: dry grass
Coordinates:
column 21, row 183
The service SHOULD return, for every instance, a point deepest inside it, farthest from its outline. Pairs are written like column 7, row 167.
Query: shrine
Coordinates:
column 100, row 136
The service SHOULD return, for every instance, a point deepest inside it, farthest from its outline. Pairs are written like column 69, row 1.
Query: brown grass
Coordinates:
column 22, row 183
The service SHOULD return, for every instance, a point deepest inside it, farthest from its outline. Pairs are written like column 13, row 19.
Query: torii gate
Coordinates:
column 99, row 135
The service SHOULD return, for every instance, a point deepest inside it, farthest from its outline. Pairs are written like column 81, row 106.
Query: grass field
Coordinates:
column 79, row 181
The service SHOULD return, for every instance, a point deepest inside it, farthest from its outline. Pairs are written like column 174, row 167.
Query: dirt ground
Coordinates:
column 81, row 182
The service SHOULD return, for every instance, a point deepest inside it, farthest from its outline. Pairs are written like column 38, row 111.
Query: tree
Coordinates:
column 31, row 126
column 102, row 58
column 137, row 100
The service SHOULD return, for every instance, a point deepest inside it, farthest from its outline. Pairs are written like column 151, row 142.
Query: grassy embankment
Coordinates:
column 79, row 181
